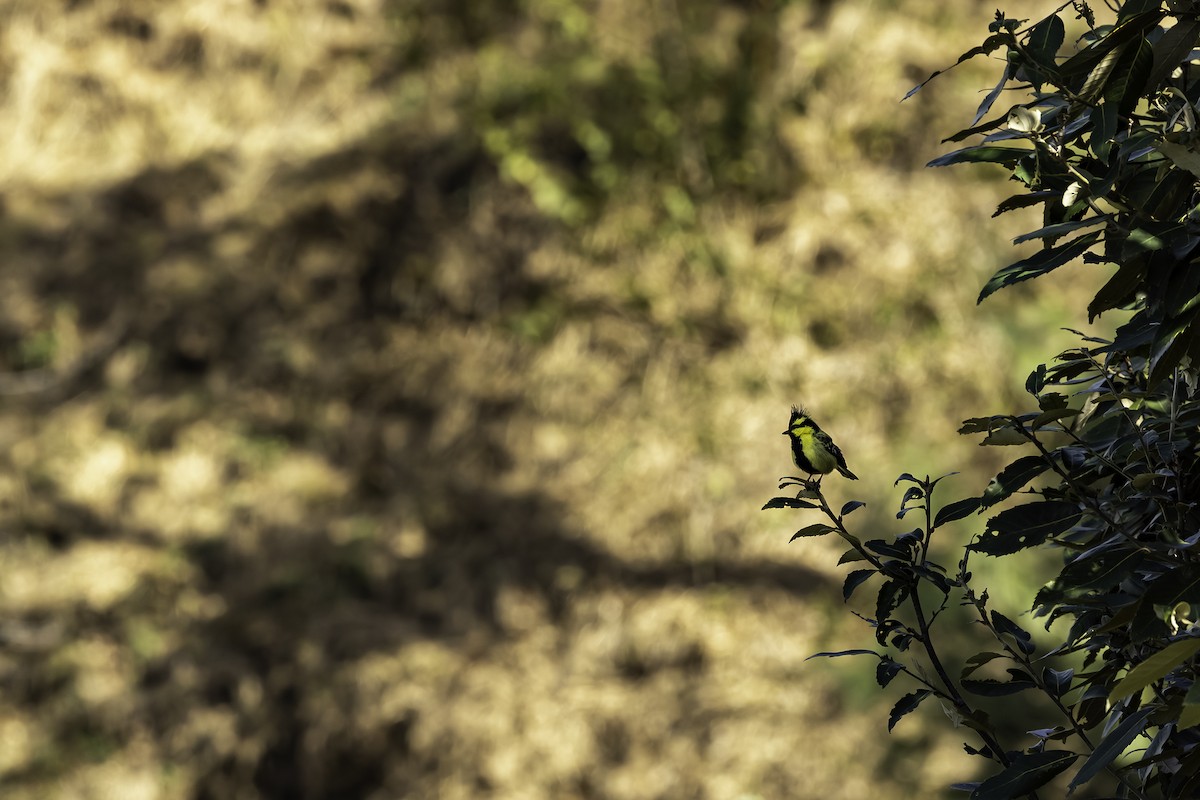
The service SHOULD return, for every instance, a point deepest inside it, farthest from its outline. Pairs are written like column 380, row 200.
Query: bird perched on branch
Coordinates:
column 812, row 449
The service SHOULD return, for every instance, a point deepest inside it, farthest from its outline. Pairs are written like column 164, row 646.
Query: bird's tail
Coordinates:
column 848, row 473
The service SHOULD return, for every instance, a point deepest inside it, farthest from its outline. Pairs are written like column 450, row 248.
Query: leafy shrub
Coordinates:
column 1104, row 142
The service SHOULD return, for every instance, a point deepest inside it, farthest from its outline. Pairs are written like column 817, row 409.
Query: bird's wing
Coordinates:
column 823, row 437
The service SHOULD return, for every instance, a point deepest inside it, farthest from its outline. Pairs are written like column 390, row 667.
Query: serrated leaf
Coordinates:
column 1045, row 39
column 1005, row 625
column 840, row 653
column 1040, row 263
column 850, row 556
column 1105, row 120
column 854, row 580
column 1128, row 80
column 993, row 688
column 1016, row 529
column 957, row 510
column 1185, row 344
column 990, row 45
column 1179, row 585
column 1097, row 79
column 788, row 502
column 817, row 529
column 1004, row 437
column 1036, row 381
column 978, row 660
column 1119, row 288
column 1155, row 667
column 1053, row 401
column 1054, row 415
column 1112, row 746
column 1085, row 60
column 1025, row 773
column 990, row 98
column 1013, row 478
column 887, row 670
column 1024, row 201
column 982, row 154
column 1172, row 48
column 1101, row 570
column 853, row 505
column 886, row 601
column 906, row 705
column 1061, row 228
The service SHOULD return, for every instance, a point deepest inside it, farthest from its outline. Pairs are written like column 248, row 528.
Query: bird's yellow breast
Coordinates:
column 822, row 460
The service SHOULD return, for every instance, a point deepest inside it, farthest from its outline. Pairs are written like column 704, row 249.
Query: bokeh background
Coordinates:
column 390, row 388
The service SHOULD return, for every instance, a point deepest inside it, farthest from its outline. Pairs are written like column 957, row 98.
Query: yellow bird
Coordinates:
column 812, row 449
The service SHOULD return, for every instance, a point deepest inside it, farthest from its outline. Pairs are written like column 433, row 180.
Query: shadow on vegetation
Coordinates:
column 279, row 327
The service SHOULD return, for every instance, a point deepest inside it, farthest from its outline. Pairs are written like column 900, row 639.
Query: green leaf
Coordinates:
column 1112, row 746
column 1185, row 343
column 854, row 580
column 817, row 529
column 1005, row 625
column 978, row 660
column 853, row 505
column 1190, row 715
column 890, row 595
column 1045, row 39
column 991, row 688
column 788, row 502
column 1119, row 289
column 887, row 670
column 1061, row 228
column 1036, row 382
column 1172, row 48
column 1094, row 87
column 840, row 653
column 1054, row 415
column 990, row 45
column 955, row 511
column 1104, row 130
column 1004, row 437
column 1155, row 667
column 986, row 105
column 1085, row 60
column 1013, row 478
column 1141, row 240
column 1057, row 681
column 1128, row 80
column 1181, row 584
column 1182, row 156
column 1016, row 529
column 850, row 556
column 1025, row 200
column 1025, row 773
column 1101, row 570
column 1008, row 156
column 905, row 705
column 1039, row 264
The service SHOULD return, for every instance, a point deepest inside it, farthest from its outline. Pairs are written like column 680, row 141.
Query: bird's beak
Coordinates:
column 785, row 433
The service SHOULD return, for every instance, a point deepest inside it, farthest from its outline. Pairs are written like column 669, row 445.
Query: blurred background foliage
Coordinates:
column 390, row 388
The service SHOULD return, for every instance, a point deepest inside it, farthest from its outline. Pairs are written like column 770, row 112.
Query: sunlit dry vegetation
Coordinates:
column 391, row 387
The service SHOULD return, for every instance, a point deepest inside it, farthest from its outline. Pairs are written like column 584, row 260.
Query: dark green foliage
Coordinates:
column 1105, row 139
